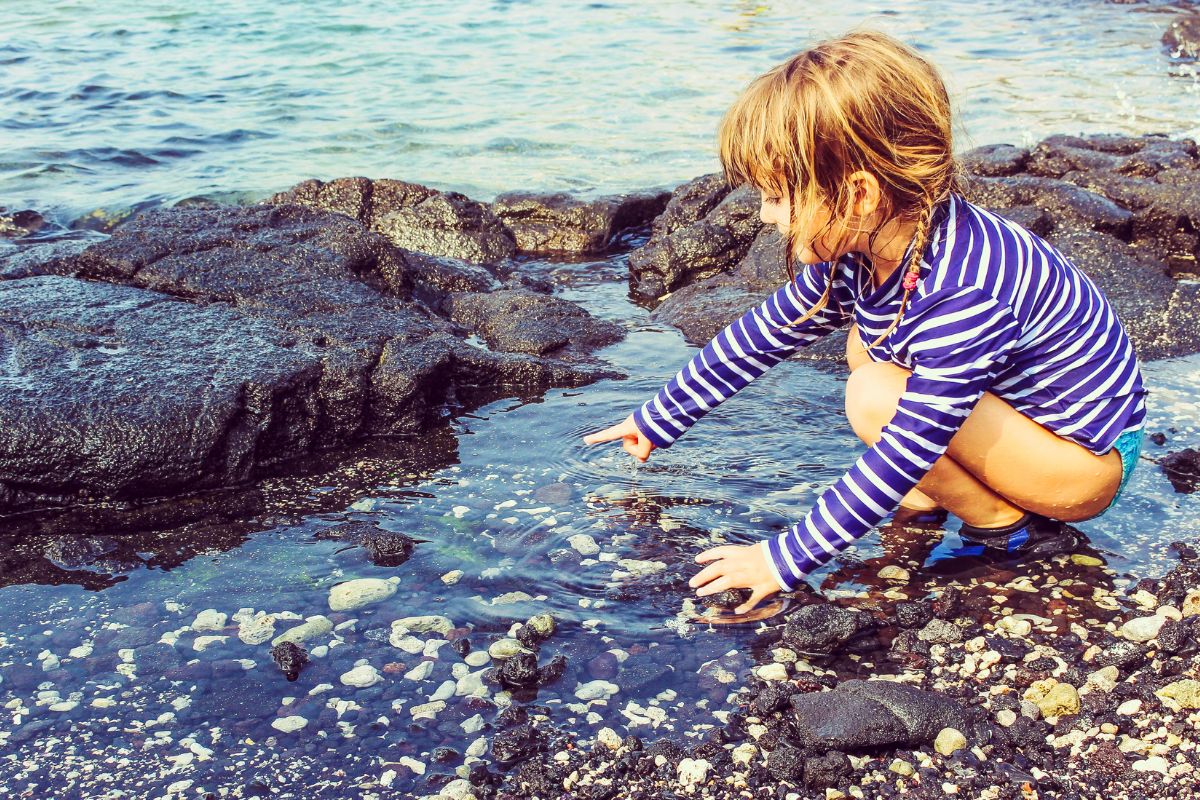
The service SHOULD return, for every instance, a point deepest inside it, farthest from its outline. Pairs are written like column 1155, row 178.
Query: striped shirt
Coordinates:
column 996, row 308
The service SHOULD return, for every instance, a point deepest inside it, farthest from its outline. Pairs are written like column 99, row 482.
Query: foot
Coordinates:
column 1031, row 537
column 920, row 516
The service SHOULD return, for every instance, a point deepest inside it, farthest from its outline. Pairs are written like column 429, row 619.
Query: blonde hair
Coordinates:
column 864, row 101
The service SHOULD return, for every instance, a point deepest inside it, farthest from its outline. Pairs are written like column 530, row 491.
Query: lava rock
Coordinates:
column 824, row 628
column 289, row 657
column 1182, row 470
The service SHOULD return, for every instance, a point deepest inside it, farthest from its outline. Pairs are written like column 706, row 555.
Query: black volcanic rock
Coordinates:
column 202, row 347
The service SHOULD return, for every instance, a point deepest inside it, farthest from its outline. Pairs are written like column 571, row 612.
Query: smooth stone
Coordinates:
column 202, row 643
column 693, row 771
column 257, row 629
column 424, row 624
column 1142, row 629
column 309, row 629
column 584, row 545
column 452, row 577
column 1181, row 695
column 471, row 685
column 428, row 710
column 949, row 740
column 361, row 592
column 476, row 658
column 209, row 620
column 289, row 724
column 361, row 677
column 596, row 690
column 506, row 648
column 894, row 573
column 444, row 692
column 772, row 672
column 420, row 672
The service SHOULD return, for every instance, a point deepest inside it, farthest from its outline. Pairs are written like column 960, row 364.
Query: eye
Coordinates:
column 772, row 200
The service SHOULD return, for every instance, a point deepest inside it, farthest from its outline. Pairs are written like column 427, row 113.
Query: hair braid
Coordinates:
column 920, row 239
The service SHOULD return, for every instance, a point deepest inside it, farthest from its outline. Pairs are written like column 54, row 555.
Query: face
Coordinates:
column 774, row 210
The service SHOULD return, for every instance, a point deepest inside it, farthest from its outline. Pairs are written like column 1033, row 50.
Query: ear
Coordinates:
column 866, row 193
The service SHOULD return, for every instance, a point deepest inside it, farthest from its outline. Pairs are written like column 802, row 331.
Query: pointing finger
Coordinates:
column 606, row 435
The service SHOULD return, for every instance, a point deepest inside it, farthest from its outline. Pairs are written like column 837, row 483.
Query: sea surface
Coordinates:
column 118, row 675
column 120, row 104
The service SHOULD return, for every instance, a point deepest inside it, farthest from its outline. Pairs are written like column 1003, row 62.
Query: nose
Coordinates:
column 763, row 215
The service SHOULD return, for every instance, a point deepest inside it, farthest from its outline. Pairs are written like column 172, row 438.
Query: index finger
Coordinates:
column 606, row 435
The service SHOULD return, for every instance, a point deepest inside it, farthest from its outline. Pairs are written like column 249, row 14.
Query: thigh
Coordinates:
column 1015, row 457
column 1033, row 467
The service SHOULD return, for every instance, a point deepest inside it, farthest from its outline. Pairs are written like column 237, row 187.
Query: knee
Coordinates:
column 872, row 392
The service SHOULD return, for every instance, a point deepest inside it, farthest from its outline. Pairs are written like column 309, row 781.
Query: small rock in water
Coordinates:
column 949, row 740
column 289, row 724
column 538, row 629
column 256, row 629
column 506, row 648
column 730, row 598
column 361, row 677
column 209, row 620
column 452, row 577
column 426, row 624
column 585, row 545
column 310, row 629
column 361, row 592
column 289, row 657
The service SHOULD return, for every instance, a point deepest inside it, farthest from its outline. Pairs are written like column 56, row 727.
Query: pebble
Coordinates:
column 471, row 685
column 1142, row 629
column 420, row 672
column 477, row 748
column 609, row 738
column 209, row 620
column 425, row 624
column 1182, row 695
column 452, row 577
column 902, row 767
column 428, row 710
column 1006, row 717
column 505, row 648
column 1152, row 764
column 772, row 672
column 1191, row 604
column 257, row 629
column 472, row 724
column 693, row 771
column 458, row 789
column 361, row 592
column 289, row 724
column 416, row 767
column 584, row 545
column 596, row 690
column 476, row 658
column 409, row 644
column 744, row 753
column 1129, row 708
column 1086, row 561
column 202, row 643
column 949, row 740
column 361, row 677
column 309, row 629
column 1017, row 627
column 1104, row 680
column 894, row 573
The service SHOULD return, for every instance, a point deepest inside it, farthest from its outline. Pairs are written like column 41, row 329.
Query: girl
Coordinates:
column 989, row 376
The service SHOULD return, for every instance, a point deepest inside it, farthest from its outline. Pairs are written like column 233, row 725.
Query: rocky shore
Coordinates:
column 207, row 348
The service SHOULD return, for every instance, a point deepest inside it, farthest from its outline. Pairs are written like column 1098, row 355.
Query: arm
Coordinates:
column 743, row 351
column 958, row 341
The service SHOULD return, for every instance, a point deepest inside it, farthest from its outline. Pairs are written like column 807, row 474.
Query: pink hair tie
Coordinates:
column 910, row 278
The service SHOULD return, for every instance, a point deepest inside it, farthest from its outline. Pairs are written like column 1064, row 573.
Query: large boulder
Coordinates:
column 199, row 348
column 1126, row 210
column 1182, row 36
column 860, row 714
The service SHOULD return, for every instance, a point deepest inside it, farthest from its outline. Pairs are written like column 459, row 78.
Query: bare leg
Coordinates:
column 999, row 464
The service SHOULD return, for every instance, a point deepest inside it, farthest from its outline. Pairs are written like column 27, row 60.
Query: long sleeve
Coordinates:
column 957, row 341
column 744, row 350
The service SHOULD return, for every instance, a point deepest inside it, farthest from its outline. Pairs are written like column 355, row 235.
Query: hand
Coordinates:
column 633, row 440
column 735, row 566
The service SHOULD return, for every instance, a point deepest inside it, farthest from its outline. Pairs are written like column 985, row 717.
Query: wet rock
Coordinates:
column 786, row 763
column 290, row 658
column 1182, row 470
column 1182, row 36
column 913, row 615
column 824, row 628
column 518, row 743
column 827, row 769
column 1122, row 208
column 728, row 599
column 211, row 346
column 360, row 592
column 860, row 714
column 520, row 671
column 412, row 216
column 553, row 671
column 21, row 223
column 560, row 223
column 384, row 548
column 536, row 630
column 520, row 321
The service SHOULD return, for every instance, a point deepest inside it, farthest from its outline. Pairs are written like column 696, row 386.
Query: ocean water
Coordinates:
column 119, row 104
column 108, row 686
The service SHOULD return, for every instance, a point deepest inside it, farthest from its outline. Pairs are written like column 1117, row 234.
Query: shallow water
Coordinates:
column 122, row 104
column 518, row 484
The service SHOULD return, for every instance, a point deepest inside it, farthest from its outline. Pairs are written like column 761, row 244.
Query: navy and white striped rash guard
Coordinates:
column 996, row 309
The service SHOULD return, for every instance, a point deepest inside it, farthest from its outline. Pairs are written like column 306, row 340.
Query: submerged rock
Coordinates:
column 560, row 223
column 384, row 548
column 289, row 657
column 1182, row 470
